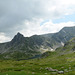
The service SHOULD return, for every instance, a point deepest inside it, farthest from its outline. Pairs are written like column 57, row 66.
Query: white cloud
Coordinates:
column 48, row 27
column 4, row 38
column 26, row 15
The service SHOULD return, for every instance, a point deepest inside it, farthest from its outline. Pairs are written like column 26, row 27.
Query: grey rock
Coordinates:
column 50, row 69
column 60, row 72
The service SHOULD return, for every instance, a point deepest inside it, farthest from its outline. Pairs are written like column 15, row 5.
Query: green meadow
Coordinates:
column 55, row 60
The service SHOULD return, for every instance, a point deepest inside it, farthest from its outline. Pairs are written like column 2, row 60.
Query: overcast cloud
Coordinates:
column 25, row 16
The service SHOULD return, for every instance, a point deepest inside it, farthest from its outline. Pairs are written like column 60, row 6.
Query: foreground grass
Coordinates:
column 37, row 66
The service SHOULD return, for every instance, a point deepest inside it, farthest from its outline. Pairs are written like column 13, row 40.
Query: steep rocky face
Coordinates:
column 19, row 38
column 10, row 46
column 65, row 34
column 60, row 38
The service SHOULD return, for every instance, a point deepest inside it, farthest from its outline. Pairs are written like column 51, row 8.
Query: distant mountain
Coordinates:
column 64, row 34
column 24, row 47
column 21, row 47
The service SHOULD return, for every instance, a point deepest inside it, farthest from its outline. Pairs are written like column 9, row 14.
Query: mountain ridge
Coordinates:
column 36, row 44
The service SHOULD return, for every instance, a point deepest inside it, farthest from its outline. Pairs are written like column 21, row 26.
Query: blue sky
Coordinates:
column 44, row 22
column 65, row 18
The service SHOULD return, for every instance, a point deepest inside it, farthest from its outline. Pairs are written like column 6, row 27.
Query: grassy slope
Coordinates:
column 37, row 66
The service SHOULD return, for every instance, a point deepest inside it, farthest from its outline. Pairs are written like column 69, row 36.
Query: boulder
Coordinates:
column 60, row 72
column 50, row 69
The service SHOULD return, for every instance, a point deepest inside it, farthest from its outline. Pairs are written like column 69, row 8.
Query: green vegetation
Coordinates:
column 16, row 55
column 38, row 66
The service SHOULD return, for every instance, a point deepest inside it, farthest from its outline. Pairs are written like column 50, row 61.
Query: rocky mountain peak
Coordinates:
column 19, row 34
column 18, row 37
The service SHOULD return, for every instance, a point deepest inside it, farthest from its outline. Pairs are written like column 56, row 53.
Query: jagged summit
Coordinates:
column 19, row 34
column 18, row 38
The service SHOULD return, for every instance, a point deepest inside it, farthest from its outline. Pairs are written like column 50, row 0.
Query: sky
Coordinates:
column 31, row 17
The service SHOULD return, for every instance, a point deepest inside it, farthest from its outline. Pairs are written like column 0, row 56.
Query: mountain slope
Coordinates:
column 64, row 34
column 25, row 47
column 51, row 63
column 68, row 48
column 21, row 47
column 70, row 45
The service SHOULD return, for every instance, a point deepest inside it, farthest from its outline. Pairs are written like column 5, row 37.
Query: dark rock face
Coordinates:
column 19, row 38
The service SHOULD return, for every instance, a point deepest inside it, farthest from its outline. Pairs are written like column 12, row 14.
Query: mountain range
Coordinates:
column 21, row 47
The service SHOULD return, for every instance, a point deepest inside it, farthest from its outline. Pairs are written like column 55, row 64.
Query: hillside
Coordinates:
column 21, row 47
column 69, row 47
column 50, row 63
